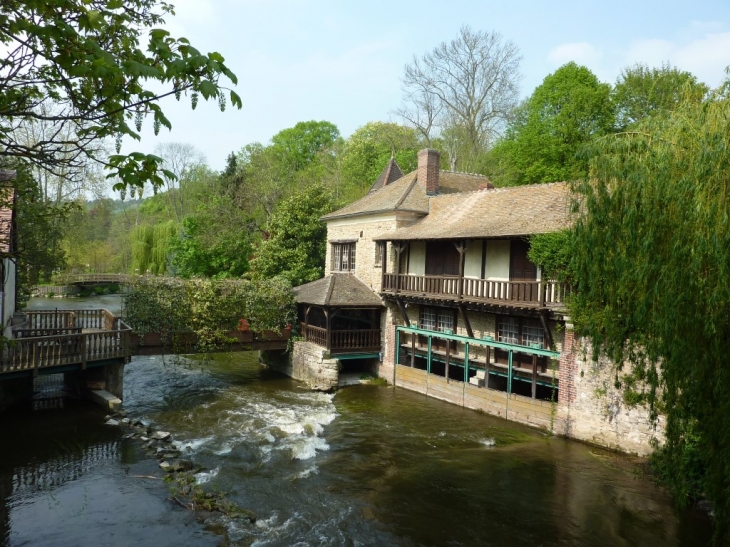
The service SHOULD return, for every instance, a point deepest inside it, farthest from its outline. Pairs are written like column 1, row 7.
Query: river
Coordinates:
column 369, row 465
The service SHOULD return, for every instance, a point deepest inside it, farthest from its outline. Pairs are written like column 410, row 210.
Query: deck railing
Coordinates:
column 343, row 340
column 528, row 294
column 317, row 335
column 57, row 338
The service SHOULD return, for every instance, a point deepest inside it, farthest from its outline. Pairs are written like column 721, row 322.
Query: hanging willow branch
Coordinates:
column 652, row 272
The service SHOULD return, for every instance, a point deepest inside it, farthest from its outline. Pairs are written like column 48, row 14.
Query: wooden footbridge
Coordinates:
column 49, row 342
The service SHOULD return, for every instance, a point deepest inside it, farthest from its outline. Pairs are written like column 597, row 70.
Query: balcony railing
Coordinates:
column 535, row 294
column 343, row 341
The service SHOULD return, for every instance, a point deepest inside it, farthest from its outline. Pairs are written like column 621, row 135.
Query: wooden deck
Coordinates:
column 538, row 294
column 55, row 339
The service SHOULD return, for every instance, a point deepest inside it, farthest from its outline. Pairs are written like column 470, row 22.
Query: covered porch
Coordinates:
column 341, row 314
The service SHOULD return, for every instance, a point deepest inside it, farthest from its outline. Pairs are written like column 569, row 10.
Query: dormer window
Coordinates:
column 343, row 257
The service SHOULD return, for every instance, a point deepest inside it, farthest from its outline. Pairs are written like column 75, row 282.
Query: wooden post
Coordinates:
column 396, row 361
column 398, row 250
column 509, row 373
column 328, row 325
column 448, row 354
column 466, row 362
column 486, row 366
column 534, row 376
column 83, row 351
column 413, row 350
column 461, row 247
column 428, row 357
column 36, row 357
column 383, row 263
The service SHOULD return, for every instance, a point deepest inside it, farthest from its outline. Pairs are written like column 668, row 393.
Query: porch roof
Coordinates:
column 337, row 290
column 501, row 212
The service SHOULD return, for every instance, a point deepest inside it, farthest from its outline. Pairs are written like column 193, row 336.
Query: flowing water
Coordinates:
column 370, row 465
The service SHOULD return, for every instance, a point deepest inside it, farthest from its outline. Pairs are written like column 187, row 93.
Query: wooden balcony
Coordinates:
column 537, row 294
column 343, row 341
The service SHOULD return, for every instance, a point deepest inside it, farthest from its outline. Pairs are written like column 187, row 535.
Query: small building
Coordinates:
column 441, row 259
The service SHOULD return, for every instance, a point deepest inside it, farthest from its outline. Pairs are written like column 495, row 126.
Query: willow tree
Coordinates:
column 652, row 269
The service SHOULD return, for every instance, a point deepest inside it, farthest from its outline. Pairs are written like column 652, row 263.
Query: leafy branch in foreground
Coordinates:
column 77, row 66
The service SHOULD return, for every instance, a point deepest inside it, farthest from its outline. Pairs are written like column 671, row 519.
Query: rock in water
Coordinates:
column 110, row 421
column 161, row 435
column 165, row 466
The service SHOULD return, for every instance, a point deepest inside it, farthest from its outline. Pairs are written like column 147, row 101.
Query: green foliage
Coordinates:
column 40, row 229
column 296, row 246
column 641, row 92
column 552, row 252
column 209, row 308
column 368, row 150
column 193, row 255
column 690, row 458
column 151, row 247
column 298, row 146
column 80, row 66
column 568, row 110
column 651, row 277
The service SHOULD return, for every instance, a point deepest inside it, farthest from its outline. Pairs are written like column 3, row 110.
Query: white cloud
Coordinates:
column 706, row 57
column 582, row 53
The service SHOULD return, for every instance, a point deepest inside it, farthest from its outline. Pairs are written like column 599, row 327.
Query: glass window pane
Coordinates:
column 509, row 330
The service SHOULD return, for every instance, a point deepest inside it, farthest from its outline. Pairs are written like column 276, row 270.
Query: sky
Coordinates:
column 299, row 60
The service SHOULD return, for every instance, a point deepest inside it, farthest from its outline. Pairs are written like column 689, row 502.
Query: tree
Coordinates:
column 298, row 146
column 471, row 82
column 641, row 92
column 180, row 159
column 40, row 230
column 651, row 263
column 297, row 244
column 78, row 67
column 204, row 250
column 569, row 109
column 368, row 150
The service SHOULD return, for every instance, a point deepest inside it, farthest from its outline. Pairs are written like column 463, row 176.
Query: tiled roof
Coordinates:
column 391, row 173
column 408, row 194
column 7, row 200
column 335, row 290
column 501, row 212
column 401, row 195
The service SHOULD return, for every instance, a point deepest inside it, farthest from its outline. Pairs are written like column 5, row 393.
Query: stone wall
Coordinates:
column 591, row 408
column 308, row 363
column 362, row 230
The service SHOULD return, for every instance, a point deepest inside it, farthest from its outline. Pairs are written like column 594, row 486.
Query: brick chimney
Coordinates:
column 429, row 161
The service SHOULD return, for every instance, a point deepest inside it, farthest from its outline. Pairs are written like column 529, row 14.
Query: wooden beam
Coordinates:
column 534, row 376
column 403, row 311
column 546, row 328
column 467, row 323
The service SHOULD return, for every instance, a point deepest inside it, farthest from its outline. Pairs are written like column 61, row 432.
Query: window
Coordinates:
column 343, row 257
column 379, row 247
column 508, row 330
column 523, row 331
column 438, row 319
column 513, row 330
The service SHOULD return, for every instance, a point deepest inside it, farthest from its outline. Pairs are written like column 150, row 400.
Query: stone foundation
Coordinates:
column 591, row 408
column 308, row 363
